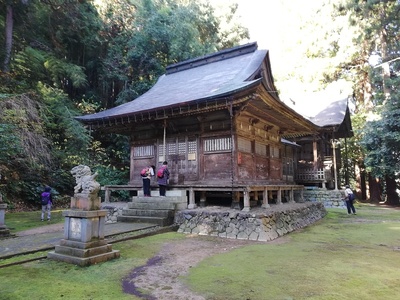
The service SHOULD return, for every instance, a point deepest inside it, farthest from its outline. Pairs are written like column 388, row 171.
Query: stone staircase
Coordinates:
column 155, row 209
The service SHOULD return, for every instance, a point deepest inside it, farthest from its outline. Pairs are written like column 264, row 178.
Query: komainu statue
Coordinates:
column 85, row 181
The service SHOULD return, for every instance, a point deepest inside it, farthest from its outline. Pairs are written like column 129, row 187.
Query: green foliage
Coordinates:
column 26, row 151
column 30, row 124
column 382, row 140
column 45, row 67
column 111, row 176
column 10, row 145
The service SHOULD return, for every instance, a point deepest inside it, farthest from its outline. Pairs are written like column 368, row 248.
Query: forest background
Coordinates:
column 63, row 58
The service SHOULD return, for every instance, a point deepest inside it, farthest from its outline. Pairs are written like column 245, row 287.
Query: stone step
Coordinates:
column 152, row 205
column 86, row 261
column 170, row 193
column 149, row 212
column 173, row 199
column 71, row 251
column 178, row 202
column 144, row 219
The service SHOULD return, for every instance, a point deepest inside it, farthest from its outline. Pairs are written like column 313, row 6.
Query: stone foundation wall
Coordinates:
column 113, row 211
column 258, row 225
column 329, row 198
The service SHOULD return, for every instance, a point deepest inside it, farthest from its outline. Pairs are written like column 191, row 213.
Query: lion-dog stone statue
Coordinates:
column 86, row 189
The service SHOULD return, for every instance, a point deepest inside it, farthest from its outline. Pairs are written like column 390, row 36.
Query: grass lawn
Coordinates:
column 340, row 257
column 27, row 220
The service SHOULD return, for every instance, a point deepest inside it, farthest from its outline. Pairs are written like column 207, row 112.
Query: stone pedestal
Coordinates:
column 4, row 231
column 84, row 242
column 85, row 202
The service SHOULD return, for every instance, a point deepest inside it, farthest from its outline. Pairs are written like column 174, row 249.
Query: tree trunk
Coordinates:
column 8, row 38
column 363, row 185
column 361, row 175
column 375, row 189
column 392, row 198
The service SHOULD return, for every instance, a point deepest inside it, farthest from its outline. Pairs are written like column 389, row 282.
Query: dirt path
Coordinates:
column 43, row 229
column 160, row 276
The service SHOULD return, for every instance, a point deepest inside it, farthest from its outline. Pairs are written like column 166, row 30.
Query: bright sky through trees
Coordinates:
column 285, row 28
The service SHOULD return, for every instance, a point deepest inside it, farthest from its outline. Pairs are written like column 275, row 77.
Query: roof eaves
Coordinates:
column 138, row 115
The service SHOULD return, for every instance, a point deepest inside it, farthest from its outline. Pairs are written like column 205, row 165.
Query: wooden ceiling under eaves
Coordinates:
column 290, row 124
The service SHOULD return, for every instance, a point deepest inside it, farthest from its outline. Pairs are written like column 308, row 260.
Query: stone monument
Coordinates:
column 4, row 231
column 84, row 242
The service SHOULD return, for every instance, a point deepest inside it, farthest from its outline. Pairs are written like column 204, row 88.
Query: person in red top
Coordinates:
column 163, row 180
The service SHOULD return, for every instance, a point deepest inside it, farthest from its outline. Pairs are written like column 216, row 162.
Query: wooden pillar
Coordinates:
column 265, row 203
column 315, row 155
column 107, row 194
column 279, row 197
column 270, row 194
column 192, row 201
column 235, row 200
column 246, row 200
column 132, row 166
column 203, row 199
column 291, row 196
column 334, row 163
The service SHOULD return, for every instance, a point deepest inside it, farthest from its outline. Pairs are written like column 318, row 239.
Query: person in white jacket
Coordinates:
column 349, row 198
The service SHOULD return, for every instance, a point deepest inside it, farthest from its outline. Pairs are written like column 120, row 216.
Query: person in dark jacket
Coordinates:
column 146, row 180
column 47, row 202
column 349, row 198
column 162, row 178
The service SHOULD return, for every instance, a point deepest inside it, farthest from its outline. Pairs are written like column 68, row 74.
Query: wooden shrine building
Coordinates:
column 221, row 126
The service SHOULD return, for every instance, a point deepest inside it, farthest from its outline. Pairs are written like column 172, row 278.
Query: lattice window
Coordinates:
column 192, row 147
column 244, row 145
column 217, row 144
column 161, row 151
column 192, row 150
column 143, row 151
column 274, row 151
column 288, row 166
column 181, row 148
column 172, row 148
column 261, row 149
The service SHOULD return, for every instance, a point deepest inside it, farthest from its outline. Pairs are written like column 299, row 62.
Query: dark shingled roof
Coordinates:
column 207, row 77
column 333, row 114
column 335, row 117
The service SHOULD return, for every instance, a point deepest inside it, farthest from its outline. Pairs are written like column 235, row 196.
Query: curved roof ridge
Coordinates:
column 211, row 58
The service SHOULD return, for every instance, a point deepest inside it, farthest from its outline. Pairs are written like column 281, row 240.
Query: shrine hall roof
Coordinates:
column 333, row 114
column 211, row 76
